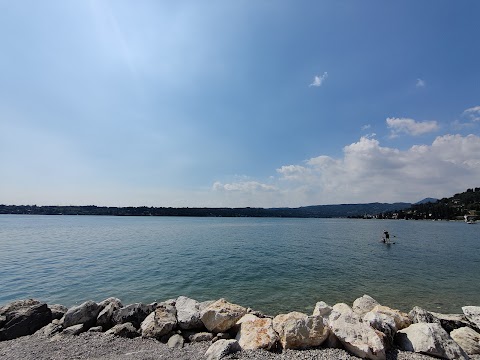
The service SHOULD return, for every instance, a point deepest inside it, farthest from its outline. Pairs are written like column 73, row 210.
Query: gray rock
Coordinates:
column 473, row 315
column 58, row 310
column 364, row 304
column 175, row 342
column 419, row 315
column 451, row 322
column 24, row 318
column 85, row 313
column 188, row 313
column 468, row 339
column 201, row 336
column 429, row 339
column 105, row 317
column 222, row 348
column 51, row 329
column 110, row 300
column 95, row 329
column 126, row 330
column 160, row 322
column 134, row 314
column 322, row 309
column 74, row 329
column 10, row 309
column 222, row 336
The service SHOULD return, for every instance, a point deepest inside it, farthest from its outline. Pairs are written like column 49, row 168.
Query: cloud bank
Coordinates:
column 410, row 126
column 473, row 113
column 369, row 172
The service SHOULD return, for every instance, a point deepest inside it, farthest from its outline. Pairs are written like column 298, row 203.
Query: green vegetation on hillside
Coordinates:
column 453, row 208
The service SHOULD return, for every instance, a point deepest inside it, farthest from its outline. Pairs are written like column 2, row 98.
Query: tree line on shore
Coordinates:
column 451, row 208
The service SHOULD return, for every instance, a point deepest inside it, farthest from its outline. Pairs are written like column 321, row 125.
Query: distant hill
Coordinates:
column 318, row 211
column 452, row 208
column 428, row 208
column 350, row 210
column 426, row 201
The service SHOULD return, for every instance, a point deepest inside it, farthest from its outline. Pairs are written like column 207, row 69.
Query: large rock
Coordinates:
column 420, row 315
column 23, row 317
column 429, row 339
column 468, row 339
column 402, row 319
column 451, row 322
column 473, row 315
column 188, row 313
column 74, row 330
column 222, row 348
column 58, row 311
column 256, row 333
column 133, row 313
column 51, row 329
column 160, row 322
column 322, row 309
column 85, row 313
column 299, row 331
column 383, row 323
column 364, row 304
column 357, row 337
column 110, row 300
column 126, row 330
column 221, row 315
column 105, row 317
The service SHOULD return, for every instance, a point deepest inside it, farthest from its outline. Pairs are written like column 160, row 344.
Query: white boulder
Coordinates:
column 473, row 314
column 468, row 339
column 256, row 333
column 357, row 337
column 298, row 331
column 221, row 315
column 188, row 313
column 429, row 339
column 364, row 304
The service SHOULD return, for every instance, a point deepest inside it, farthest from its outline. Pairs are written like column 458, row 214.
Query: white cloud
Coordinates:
column 473, row 113
column 420, row 83
column 318, row 80
column 410, row 126
column 366, row 127
column 369, row 172
column 243, row 186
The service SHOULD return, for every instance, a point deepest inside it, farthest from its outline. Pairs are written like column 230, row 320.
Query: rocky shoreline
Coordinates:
column 185, row 328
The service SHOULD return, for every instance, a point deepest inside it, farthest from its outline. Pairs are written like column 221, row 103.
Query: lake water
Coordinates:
column 272, row 265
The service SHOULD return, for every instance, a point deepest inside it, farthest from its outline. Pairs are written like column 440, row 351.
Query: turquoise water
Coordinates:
column 272, row 265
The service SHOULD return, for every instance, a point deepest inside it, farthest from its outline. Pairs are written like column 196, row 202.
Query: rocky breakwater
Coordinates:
column 366, row 329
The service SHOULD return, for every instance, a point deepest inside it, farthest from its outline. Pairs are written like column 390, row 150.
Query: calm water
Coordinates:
column 272, row 265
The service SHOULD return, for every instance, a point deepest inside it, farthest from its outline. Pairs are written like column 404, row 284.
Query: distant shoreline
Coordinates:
column 319, row 211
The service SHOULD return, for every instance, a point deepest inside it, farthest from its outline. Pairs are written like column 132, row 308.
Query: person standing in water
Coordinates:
column 386, row 236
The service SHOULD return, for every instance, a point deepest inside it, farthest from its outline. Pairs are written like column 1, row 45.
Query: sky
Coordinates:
column 237, row 103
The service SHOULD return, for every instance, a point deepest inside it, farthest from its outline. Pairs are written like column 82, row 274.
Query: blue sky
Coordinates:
column 237, row 103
